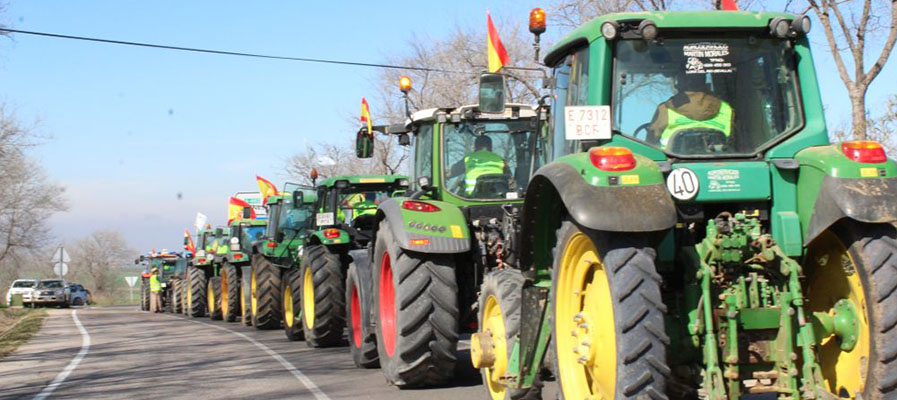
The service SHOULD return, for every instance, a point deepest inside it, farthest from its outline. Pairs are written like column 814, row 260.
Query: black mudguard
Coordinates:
column 872, row 200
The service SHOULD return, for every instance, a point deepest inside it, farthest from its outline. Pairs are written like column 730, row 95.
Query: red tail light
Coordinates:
column 612, row 158
column 238, row 256
column 271, row 244
column 202, row 260
column 331, row 233
column 419, row 206
column 420, row 242
column 864, row 151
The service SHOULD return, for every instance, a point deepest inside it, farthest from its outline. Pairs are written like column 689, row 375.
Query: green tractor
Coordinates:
column 225, row 294
column 273, row 301
column 171, row 271
column 346, row 213
column 693, row 233
column 194, row 291
column 414, row 291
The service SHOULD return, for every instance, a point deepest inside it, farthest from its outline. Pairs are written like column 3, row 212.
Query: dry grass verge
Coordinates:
column 18, row 325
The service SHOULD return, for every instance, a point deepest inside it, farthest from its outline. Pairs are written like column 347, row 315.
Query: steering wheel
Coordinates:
column 641, row 127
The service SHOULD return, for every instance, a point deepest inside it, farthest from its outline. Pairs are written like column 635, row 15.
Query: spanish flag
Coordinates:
column 189, row 246
column 235, row 209
column 366, row 115
column 498, row 57
column 266, row 188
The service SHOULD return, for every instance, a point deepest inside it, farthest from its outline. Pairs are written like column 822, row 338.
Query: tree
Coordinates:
column 335, row 159
column 96, row 257
column 847, row 25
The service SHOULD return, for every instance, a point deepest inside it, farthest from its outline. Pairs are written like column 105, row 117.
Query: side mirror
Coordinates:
column 186, row 241
column 247, row 212
column 492, row 93
column 364, row 143
column 404, row 140
column 142, row 258
column 298, row 197
column 219, row 232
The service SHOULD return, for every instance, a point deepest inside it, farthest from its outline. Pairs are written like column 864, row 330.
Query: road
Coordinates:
column 126, row 353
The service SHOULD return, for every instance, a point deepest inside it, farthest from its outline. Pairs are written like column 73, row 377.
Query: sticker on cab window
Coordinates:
column 707, row 57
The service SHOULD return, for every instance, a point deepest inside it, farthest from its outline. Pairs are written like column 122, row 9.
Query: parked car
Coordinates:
column 78, row 295
column 50, row 292
column 24, row 287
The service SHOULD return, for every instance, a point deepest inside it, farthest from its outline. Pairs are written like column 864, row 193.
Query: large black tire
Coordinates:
column 175, row 302
column 245, row 301
column 847, row 251
column 633, row 291
column 196, row 292
column 265, row 294
column 323, row 296
column 501, row 291
column 230, row 293
column 291, row 291
column 416, row 306
column 362, row 340
column 213, row 291
column 185, row 286
column 144, row 294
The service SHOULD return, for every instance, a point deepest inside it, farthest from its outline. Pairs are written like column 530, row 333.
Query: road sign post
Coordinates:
column 61, row 257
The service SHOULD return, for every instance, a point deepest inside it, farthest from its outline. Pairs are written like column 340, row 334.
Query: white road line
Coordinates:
column 85, row 346
column 314, row 389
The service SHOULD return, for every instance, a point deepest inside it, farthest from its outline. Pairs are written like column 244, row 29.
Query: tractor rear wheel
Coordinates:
column 265, row 295
column 214, row 300
column 144, row 294
column 853, row 266
column 416, row 305
column 196, row 292
column 175, row 299
column 607, row 316
column 245, row 302
column 230, row 293
column 323, row 297
column 292, row 288
column 362, row 340
column 499, row 324
column 184, row 288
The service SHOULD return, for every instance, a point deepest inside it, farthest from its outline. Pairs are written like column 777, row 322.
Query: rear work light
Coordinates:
column 419, row 206
column 864, row 151
column 331, row 233
column 612, row 158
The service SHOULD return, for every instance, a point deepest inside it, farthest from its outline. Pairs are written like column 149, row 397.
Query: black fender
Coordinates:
column 361, row 259
column 391, row 210
column 557, row 190
column 871, row 200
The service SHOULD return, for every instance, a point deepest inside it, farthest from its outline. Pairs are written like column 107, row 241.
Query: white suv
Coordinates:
column 24, row 287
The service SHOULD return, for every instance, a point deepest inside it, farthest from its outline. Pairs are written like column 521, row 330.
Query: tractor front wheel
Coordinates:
column 245, row 302
column 230, row 293
column 323, row 301
column 214, row 301
column 292, row 287
column 851, row 274
column 499, row 324
column 144, row 294
column 265, row 294
column 175, row 298
column 196, row 292
column 362, row 340
column 416, row 305
column 607, row 316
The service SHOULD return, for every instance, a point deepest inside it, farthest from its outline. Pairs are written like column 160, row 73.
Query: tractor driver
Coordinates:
column 693, row 107
column 481, row 162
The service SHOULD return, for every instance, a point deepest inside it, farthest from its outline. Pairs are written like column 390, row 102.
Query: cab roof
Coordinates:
column 722, row 20
column 363, row 179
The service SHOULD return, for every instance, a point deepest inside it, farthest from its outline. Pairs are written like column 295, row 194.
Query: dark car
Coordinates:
column 78, row 295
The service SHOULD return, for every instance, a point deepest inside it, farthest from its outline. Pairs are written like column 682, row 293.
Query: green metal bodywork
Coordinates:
column 286, row 250
column 242, row 256
column 765, row 205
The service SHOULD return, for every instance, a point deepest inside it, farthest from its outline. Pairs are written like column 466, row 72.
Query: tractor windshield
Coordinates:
column 293, row 220
column 710, row 97
column 353, row 205
column 488, row 159
column 252, row 233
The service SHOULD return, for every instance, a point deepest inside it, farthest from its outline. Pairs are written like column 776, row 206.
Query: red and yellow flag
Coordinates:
column 266, row 188
column 189, row 246
column 497, row 54
column 366, row 115
column 235, row 209
column 729, row 5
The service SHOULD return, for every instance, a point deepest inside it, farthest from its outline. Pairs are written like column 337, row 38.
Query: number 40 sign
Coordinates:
column 587, row 122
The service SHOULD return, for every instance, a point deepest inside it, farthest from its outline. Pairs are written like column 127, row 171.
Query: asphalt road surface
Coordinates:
column 120, row 352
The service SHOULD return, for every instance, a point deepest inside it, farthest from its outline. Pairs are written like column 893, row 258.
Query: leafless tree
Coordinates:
column 96, row 257
column 335, row 159
column 849, row 27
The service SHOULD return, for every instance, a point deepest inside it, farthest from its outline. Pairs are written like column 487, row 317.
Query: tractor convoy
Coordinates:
column 670, row 221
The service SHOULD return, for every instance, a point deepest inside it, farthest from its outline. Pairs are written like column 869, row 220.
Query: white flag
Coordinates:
column 200, row 221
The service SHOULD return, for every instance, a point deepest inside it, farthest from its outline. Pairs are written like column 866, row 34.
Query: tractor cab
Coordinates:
column 169, row 265
column 346, row 210
column 246, row 232
column 289, row 218
column 205, row 249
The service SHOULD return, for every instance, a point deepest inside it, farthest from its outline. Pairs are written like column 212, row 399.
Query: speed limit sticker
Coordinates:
column 683, row 183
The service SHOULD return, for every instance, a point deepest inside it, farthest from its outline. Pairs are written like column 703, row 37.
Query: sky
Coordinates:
column 143, row 139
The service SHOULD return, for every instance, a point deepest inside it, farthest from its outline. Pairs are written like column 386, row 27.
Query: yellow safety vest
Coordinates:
column 155, row 285
column 481, row 163
column 676, row 122
column 364, row 208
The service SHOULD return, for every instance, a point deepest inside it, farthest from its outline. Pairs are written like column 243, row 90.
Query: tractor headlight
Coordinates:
column 610, row 29
column 234, row 244
column 164, row 284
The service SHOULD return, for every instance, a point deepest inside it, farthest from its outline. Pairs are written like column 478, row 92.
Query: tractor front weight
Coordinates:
column 750, row 316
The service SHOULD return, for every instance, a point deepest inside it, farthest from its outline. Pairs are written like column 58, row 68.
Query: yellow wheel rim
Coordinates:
column 584, row 323
column 211, row 294
column 827, row 282
column 308, row 299
column 494, row 325
column 223, row 294
column 253, row 300
column 189, row 294
column 288, row 315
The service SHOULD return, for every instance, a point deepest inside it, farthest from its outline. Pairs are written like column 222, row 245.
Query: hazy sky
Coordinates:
column 133, row 127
